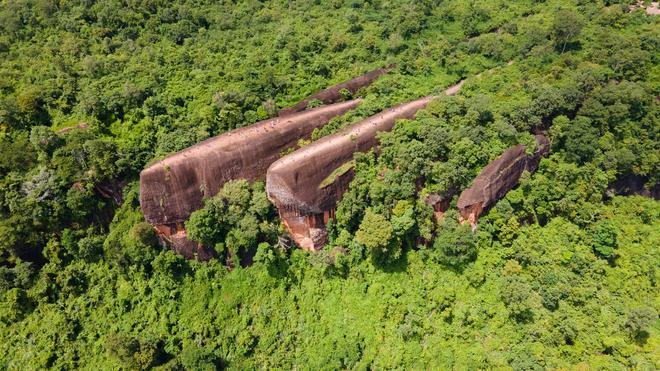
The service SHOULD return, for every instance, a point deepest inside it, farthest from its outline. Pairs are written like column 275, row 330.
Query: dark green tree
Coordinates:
column 566, row 27
column 455, row 245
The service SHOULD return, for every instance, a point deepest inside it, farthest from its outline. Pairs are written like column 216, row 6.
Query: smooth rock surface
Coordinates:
column 498, row 178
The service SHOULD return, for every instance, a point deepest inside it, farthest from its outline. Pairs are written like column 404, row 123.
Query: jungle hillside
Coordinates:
column 562, row 272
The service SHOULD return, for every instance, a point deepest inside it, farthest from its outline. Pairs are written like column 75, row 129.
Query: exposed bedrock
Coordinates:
column 306, row 185
column 172, row 188
column 440, row 204
column 497, row 178
column 175, row 236
column 333, row 93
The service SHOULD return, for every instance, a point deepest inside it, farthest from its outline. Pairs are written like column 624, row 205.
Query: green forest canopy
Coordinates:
column 561, row 273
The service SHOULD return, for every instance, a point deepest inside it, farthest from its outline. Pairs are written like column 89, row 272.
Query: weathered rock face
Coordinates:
column 439, row 204
column 171, row 189
column 333, row 93
column 80, row 126
column 175, row 236
column 306, row 184
column 497, row 178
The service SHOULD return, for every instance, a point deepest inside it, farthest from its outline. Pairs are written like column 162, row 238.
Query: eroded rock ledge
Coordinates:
column 172, row 188
column 497, row 178
column 306, row 184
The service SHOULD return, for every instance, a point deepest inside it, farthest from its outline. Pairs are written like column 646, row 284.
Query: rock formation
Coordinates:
column 306, row 184
column 497, row 178
column 172, row 188
column 440, row 204
column 333, row 93
column 651, row 9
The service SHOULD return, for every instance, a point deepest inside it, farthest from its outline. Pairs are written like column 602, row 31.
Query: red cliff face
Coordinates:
column 333, row 93
column 497, row 178
column 306, row 185
column 172, row 188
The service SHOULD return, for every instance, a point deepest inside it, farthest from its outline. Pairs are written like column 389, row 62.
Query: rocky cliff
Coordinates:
column 306, row 184
column 172, row 188
column 333, row 93
column 497, row 178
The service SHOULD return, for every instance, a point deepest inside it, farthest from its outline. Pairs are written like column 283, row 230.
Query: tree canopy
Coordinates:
column 560, row 273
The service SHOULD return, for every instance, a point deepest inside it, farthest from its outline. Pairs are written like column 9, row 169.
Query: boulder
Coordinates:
column 439, row 204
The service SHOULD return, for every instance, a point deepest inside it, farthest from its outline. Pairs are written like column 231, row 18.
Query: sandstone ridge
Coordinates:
column 306, row 185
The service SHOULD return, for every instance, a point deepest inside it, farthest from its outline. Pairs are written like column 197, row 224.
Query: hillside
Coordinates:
column 560, row 271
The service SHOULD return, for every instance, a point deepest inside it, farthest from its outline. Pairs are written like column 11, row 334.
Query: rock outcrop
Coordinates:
column 306, row 184
column 440, row 204
column 333, row 93
column 172, row 188
column 497, row 178
column 651, row 9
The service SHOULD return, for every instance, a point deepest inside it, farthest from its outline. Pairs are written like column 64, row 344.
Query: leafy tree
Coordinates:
column 517, row 295
column 44, row 139
column 604, row 239
column 15, row 306
column 640, row 320
column 194, row 357
column 455, row 244
column 566, row 27
column 376, row 234
column 237, row 218
column 101, row 159
column 581, row 141
column 132, row 352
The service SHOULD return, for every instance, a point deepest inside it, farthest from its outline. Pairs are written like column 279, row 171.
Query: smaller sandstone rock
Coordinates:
column 176, row 237
column 306, row 184
column 333, row 93
column 81, row 125
column 497, row 178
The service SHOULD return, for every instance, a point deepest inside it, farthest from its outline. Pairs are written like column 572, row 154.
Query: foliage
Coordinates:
column 455, row 244
column 237, row 218
column 375, row 233
column 561, row 273
column 566, row 27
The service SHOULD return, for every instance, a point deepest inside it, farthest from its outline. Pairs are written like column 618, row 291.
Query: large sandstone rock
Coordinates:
column 497, row 178
column 306, row 184
column 172, row 188
column 333, row 93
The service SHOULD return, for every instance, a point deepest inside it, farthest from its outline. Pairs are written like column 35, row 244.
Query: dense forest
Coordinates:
column 561, row 273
